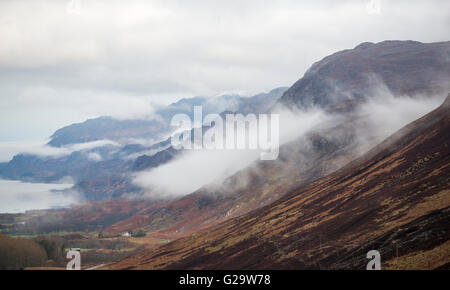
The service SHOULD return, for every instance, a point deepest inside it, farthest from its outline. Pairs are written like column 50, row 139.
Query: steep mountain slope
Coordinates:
column 395, row 198
column 339, row 83
column 299, row 162
column 404, row 67
column 146, row 162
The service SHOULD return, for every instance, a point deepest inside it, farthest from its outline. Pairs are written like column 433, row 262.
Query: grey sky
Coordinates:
column 121, row 57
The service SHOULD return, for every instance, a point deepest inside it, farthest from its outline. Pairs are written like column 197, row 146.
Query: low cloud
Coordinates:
column 379, row 116
column 93, row 156
column 17, row 196
column 196, row 168
column 40, row 148
column 383, row 113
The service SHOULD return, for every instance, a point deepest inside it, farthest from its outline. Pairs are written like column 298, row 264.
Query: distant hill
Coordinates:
column 108, row 128
column 157, row 126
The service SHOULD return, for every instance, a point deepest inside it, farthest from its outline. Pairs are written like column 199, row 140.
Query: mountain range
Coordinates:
column 132, row 145
column 336, row 191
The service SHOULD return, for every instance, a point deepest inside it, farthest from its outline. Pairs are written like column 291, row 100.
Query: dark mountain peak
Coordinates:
column 398, row 42
column 404, row 67
column 364, row 45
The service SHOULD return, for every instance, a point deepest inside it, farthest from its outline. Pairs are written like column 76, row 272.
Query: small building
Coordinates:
column 126, row 234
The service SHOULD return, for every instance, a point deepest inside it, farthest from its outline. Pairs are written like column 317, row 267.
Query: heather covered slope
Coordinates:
column 395, row 199
column 321, row 151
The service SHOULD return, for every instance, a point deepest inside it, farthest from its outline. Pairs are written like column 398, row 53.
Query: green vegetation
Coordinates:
column 163, row 241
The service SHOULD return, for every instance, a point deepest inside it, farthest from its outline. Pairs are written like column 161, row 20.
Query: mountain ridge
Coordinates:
column 404, row 67
column 158, row 126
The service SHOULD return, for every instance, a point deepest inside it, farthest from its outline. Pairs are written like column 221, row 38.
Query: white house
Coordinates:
column 126, row 234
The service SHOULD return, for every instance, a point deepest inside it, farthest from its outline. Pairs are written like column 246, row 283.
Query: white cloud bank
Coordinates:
column 40, row 148
column 382, row 115
column 196, row 168
column 16, row 196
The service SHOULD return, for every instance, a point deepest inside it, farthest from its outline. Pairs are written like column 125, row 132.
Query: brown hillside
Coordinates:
column 395, row 198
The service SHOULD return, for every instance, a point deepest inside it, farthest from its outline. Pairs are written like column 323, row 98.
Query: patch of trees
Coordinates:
column 54, row 248
column 18, row 253
column 50, row 251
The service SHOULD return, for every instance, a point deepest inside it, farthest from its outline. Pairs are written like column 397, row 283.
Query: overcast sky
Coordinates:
column 60, row 65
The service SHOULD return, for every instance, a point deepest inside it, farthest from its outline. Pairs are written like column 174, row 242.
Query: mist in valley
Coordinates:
column 379, row 115
column 18, row 197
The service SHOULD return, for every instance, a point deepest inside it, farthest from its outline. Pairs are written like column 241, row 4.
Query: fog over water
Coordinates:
column 17, row 196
